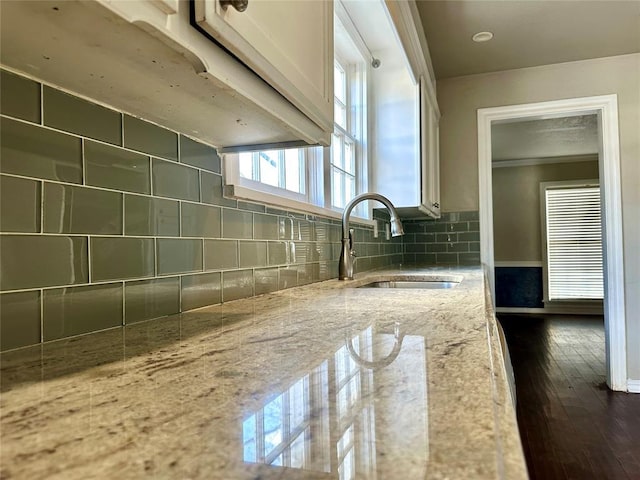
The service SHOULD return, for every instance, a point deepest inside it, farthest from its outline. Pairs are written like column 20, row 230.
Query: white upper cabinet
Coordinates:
column 430, row 153
column 267, row 80
column 288, row 43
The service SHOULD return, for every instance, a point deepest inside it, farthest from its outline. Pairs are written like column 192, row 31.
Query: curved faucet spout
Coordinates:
column 347, row 254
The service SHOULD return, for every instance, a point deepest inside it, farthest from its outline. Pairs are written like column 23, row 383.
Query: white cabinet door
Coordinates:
column 430, row 153
column 288, row 43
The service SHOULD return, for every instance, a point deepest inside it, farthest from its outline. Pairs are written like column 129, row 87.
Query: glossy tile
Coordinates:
column 34, row 151
column 112, row 167
column 252, row 207
column 151, row 216
column 253, row 254
column 211, row 190
column 19, row 319
column 288, row 277
column 148, row 299
column 120, row 258
column 150, row 138
column 266, row 280
column 237, row 224
column 19, row 97
column 19, row 205
column 201, row 290
column 200, row 221
column 175, row 181
column 75, row 310
column 199, row 155
column 265, row 227
column 72, row 114
column 310, row 272
column 277, row 253
column 179, row 255
column 237, row 284
column 29, row 261
column 69, row 209
column 220, row 254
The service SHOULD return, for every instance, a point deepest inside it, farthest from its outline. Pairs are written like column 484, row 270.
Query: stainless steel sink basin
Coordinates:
column 419, row 284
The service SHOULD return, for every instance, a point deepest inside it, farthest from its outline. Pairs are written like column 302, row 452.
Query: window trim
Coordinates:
column 544, row 186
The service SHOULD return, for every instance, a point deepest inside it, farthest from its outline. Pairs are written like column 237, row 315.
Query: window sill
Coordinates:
column 243, row 193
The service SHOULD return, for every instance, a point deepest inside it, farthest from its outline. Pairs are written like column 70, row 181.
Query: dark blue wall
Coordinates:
column 519, row 287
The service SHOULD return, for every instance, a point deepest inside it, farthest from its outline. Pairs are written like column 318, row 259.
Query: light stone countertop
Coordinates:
column 326, row 380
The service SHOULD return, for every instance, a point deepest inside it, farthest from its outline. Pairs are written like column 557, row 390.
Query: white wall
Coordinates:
column 459, row 98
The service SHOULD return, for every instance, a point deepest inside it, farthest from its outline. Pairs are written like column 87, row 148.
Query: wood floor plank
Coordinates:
column 572, row 426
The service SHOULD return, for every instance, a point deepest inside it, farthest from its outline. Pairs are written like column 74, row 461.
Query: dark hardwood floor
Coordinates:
column 572, row 426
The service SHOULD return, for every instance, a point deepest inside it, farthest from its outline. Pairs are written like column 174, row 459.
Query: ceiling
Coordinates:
column 535, row 139
column 526, row 33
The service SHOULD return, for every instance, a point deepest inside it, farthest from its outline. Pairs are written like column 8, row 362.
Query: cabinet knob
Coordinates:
column 436, row 205
column 239, row 5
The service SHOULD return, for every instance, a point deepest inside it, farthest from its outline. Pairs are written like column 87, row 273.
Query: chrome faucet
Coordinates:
column 347, row 254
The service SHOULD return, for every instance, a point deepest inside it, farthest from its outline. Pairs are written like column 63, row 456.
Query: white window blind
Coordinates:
column 574, row 243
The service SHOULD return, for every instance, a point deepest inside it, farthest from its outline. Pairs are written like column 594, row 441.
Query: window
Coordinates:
column 278, row 168
column 323, row 177
column 343, row 142
column 573, row 239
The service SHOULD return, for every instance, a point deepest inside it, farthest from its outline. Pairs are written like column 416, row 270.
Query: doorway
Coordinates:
column 605, row 107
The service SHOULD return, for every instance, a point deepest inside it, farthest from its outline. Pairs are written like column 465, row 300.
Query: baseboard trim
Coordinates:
column 633, row 386
column 552, row 310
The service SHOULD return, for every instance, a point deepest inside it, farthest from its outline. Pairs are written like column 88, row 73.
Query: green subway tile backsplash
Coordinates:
column 175, row 181
column 200, row 221
column 31, row 261
column 33, row 151
column 72, row 114
column 220, row 254
column 211, row 190
column 150, row 138
column 201, row 290
column 19, row 205
column 71, row 209
column 112, row 167
column 179, row 255
column 19, row 97
column 237, row 224
column 150, row 216
column 237, row 284
column 115, row 258
column 453, row 239
column 104, row 213
column 199, row 155
column 149, row 299
column 75, row 310
column 20, row 320
column 253, row 254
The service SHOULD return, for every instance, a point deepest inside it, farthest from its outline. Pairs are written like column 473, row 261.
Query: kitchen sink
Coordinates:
column 419, row 284
column 427, row 282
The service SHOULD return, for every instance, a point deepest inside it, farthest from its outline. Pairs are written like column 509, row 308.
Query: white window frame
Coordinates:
column 544, row 187
column 318, row 197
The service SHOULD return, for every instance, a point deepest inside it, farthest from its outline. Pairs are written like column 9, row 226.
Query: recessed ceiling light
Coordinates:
column 482, row 37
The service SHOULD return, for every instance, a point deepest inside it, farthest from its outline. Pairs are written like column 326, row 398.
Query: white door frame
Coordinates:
column 606, row 107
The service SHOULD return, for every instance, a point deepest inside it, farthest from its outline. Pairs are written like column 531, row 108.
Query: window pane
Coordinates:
column 294, row 170
column 336, row 150
column 249, row 439
column 340, row 83
column 273, row 424
column 269, row 167
column 349, row 157
column 298, row 450
column 350, row 188
column 246, row 165
column 337, row 189
column 340, row 114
